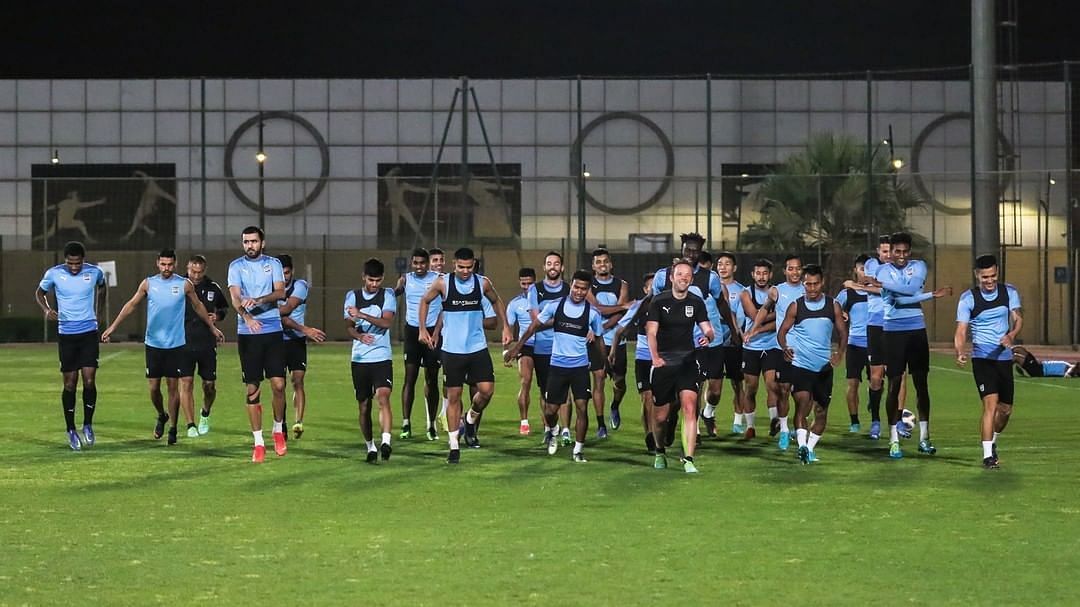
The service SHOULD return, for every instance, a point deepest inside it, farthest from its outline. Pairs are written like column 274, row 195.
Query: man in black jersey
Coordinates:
column 201, row 347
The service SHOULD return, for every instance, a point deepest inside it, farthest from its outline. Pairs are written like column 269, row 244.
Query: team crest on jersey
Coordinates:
column 689, row 311
column 266, row 269
column 209, row 296
column 176, row 290
column 86, row 278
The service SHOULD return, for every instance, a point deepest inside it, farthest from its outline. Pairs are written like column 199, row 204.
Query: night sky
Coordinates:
column 483, row 38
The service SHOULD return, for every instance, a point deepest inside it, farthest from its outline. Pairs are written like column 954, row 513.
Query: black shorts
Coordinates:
column 596, row 362
column 857, row 361
column 642, row 371
column 541, row 364
column 78, row 351
column 563, row 381
column 733, row 362
column 202, row 361
column 368, row 377
column 525, row 352
column 783, row 369
column 296, row 354
column 818, row 383
column 418, row 352
column 994, row 377
column 261, row 355
column 671, row 379
column 167, row 362
column 875, row 347
column 756, row 362
column 906, row 350
column 471, row 369
column 714, row 361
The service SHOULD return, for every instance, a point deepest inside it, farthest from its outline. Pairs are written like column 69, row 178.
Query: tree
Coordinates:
column 817, row 201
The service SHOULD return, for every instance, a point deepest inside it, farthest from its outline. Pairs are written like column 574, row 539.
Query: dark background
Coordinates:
column 510, row 38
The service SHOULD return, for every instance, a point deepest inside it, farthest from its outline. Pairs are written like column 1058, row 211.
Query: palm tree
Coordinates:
column 816, row 201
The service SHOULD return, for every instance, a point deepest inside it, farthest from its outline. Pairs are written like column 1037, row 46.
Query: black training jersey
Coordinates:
column 677, row 319
column 198, row 335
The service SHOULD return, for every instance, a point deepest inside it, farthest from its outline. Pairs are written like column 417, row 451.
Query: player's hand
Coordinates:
column 611, row 356
column 850, row 284
column 352, row 311
column 961, row 360
column 703, row 342
column 252, row 324
column 106, row 335
column 789, row 354
column 367, row 338
column 248, row 303
column 845, row 316
column 218, row 335
column 749, row 334
column 658, row 362
column 51, row 314
column 507, row 336
column 590, row 337
column 315, row 335
column 1006, row 341
column 509, row 354
column 427, row 338
column 943, row 292
column 834, row 360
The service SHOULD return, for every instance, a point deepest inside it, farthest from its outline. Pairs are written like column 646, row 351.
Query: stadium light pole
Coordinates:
column 260, row 159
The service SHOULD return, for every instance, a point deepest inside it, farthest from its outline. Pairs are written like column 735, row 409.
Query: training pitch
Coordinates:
column 133, row 522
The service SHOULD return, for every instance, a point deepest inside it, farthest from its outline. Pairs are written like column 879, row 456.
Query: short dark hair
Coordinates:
column 555, row 253
column 983, row 262
column 791, row 256
column 600, row 252
column 861, row 259
column 763, row 263
column 647, row 276
column 421, row 252
column 436, row 251
column 729, row 255
column 167, row 254
column 286, row 261
column 527, row 272
column 254, row 230
column 705, row 257
column 197, row 259
column 374, row 268
column 884, row 239
column 900, row 238
column 812, row 270
column 692, row 237
column 464, row 253
column 585, row 275
column 74, row 249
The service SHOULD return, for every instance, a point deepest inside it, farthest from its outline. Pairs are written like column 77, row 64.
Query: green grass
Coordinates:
column 133, row 522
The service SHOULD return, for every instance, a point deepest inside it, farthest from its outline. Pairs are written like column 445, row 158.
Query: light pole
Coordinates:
column 260, row 158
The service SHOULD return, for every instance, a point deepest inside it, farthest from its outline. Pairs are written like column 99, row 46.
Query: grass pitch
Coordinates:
column 131, row 521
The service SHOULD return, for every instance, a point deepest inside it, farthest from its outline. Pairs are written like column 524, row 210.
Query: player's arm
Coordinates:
column 728, row 315
column 541, row 324
column 959, row 341
column 923, row 296
column 781, row 337
column 382, row 321
column 841, row 333
column 435, row 290
column 314, row 334
column 129, row 307
column 863, row 286
column 500, row 310
column 220, row 305
column 399, row 288
column 237, row 300
column 913, row 286
column 761, row 316
column 1016, row 319
column 42, row 298
column 204, row 315
column 290, row 304
column 597, row 328
column 701, row 317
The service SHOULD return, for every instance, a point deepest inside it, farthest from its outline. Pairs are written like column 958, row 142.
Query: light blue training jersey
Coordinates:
column 786, row 294
column 543, row 339
column 811, row 335
column 856, row 304
column 415, row 287
column 165, row 299
column 875, row 307
column 464, row 312
column 372, row 304
column 763, row 340
column 988, row 319
column 902, row 295
column 734, row 291
column 256, row 278
column 641, row 345
column 569, row 350
column 76, row 296
column 517, row 312
column 299, row 289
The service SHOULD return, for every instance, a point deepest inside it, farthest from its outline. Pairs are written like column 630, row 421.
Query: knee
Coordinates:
column 298, row 382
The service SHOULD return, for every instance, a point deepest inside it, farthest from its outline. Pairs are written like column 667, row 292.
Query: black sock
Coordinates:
column 600, row 421
column 615, row 402
column 205, row 412
column 875, row 405
column 89, row 403
column 191, row 425
column 67, row 403
column 661, row 450
column 855, row 418
column 650, row 442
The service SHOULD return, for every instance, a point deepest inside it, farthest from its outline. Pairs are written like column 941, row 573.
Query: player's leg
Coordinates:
column 67, row 397
column 579, row 389
column 431, row 399
column 408, row 395
column 714, row 386
column 688, row 399
column 299, row 400
column 273, row 366
column 386, row 413
column 617, row 373
column 803, row 404
column 876, row 360
column 89, row 401
column 749, row 399
column 525, row 374
column 364, row 416
column 187, row 404
column 852, row 397
column 172, row 385
column 598, row 378
column 820, row 395
column 919, row 369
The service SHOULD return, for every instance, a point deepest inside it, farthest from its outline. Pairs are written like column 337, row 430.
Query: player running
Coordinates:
column 293, row 310
column 517, row 314
column 855, row 302
column 610, row 295
column 417, row 353
column 201, row 347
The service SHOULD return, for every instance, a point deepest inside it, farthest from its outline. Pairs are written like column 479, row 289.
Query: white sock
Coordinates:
column 445, row 404
column 773, row 412
column 710, row 411
column 811, row 442
column 370, row 445
column 258, row 438
column 988, row 448
column 453, row 439
column 386, row 438
column 995, row 437
column 578, row 447
column 924, row 430
column 783, row 424
column 555, row 429
column 894, row 435
column 800, row 437
column 524, row 422
column 470, row 416
column 277, row 427
column 405, row 424
column 750, row 419
column 739, row 419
